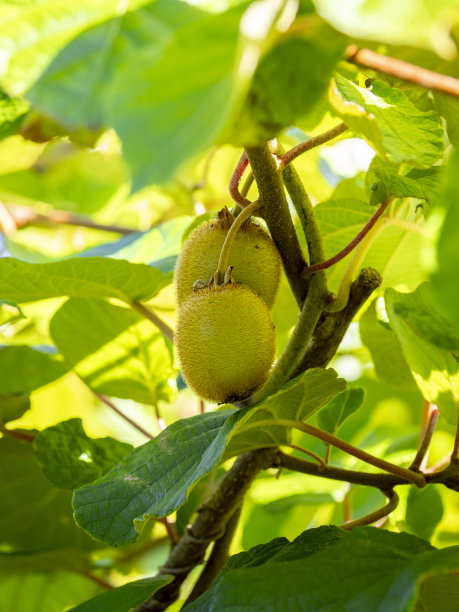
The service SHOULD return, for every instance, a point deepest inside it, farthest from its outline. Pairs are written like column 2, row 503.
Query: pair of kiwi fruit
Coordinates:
column 225, row 336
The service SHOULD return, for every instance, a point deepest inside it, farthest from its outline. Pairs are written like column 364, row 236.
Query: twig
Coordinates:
column 132, row 554
column 229, row 238
column 377, row 515
column 236, row 179
column 159, row 419
column 300, row 449
column 403, row 70
column 19, row 434
column 100, row 581
column 111, row 405
column 209, row 524
column 307, row 145
column 274, row 209
column 23, row 215
column 170, row 529
column 426, row 439
column 396, row 470
column 353, row 243
column 217, row 559
column 153, row 317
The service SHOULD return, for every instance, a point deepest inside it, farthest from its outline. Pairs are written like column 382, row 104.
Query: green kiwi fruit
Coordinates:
column 254, row 257
column 225, row 341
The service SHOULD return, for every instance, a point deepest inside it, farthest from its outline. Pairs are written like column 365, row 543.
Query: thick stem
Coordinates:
column 403, row 70
column 217, row 559
column 306, row 214
column 331, row 327
column 274, row 209
column 368, row 519
column 153, row 317
column 307, row 145
column 246, row 213
column 208, row 525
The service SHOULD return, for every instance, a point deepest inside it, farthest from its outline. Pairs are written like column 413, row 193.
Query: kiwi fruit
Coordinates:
column 225, row 342
column 254, row 258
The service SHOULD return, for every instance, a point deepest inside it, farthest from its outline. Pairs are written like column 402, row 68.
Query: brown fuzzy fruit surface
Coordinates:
column 254, row 257
column 225, row 341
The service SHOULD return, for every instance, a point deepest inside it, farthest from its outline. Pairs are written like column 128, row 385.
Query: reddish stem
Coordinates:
column 122, row 415
column 307, row 145
column 354, row 242
column 236, row 179
column 428, row 431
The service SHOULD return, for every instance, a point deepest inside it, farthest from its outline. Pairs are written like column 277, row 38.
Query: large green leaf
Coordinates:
column 424, row 510
column 34, row 515
column 268, row 109
column 435, row 370
column 386, row 352
column 340, row 408
column 446, row 265
column 153, row 480
column 328, row 569
column 25, row 369
column 261, row 425
column 154, row 114
column 85, row 67
column 126, row 597
column 90, row 277
column 114, row 349
column 13, row 406
column 69, row 458
column 390, row 123
column 396, row 248
column 32, row 34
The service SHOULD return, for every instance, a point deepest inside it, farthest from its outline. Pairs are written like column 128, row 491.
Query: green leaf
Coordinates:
column 395, row 251
column 341, row 407
column 25, row 369
column 424, row 184
column 386, row 352
column 153, row 480
column 390, row 123
column 13, row 406
column 69, row 458
column 369, row 569
column 34, row 516
column 9, row 311
column 82, row 72
column 268, row 109
column 90, row 277
column 424, row 510
column 448, row 107
column 257, row 426
column 447, row 259
column 12, row 113
column 435, row 370
column 126, row 597
column 155, row 114
column 115, row 350
column 30, row 36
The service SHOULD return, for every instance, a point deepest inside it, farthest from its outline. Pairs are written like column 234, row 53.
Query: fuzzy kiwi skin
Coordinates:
column 225, row 341
column 254, row 257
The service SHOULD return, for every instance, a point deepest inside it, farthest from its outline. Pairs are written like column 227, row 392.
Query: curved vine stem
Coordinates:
column 236, row 179
column 368, row 519
column 246, row 213
column 313, row 142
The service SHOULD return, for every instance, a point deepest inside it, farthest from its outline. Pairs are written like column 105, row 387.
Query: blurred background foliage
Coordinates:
column 134, row 118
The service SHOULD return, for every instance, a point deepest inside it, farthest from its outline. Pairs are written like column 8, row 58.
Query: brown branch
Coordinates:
column 23, row 216
column 274, row 210
column 353, row 243
column 236, row 179
column 209, row 525
column 170, row 530
column 307, row 145
column 217, row 559
column 403, row 70
column 19, row 434
column 368, row 519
